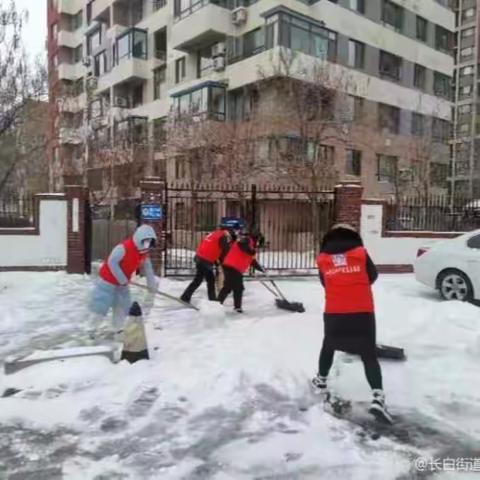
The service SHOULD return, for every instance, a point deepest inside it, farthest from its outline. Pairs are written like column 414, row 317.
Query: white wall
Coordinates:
column 48, row 249
column 387, row 250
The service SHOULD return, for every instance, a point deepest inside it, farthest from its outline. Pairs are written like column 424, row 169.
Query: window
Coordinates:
column 441, row 130
column 468, row 32
column 253, row 42
column 54, row 31
column 420, row 77
column 439, row 174
column 180, row 70
column 358, row 107
column 208, row 101
column 392, row 15
column 77, row 20
column 422, row 29
column 386, row 168
column 100, row 64
column 137, row 96
column 78, row 54
column 466, row 92
column 356, row 54
column 388, row 118
column 466, row 52
column 465, row 109
column 474, row 242
column 390, row 66
column 132, row 43
column 418, row 122
column 441, row 85
column 443, row 39
column 307, row 37
column 357, row 5
column 465, row 71
column 354, row 163
column 463, row 129
column 468, row 14
column 159, row 78
column 94, row 40
column 159, row 132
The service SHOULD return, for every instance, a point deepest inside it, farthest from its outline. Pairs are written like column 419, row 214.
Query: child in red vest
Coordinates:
column 238, row 260
column 112, row 287
column 347, row 272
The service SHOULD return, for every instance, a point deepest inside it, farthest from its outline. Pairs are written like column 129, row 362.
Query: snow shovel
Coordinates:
column 281, row 301
column 392, row 353
column 171, row 297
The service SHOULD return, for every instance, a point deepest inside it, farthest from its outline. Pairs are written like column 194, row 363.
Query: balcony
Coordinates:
column 68, row 71
column 201, row 24
column 71, row 7
column 100, row 9
column 72, row 136
column 69, row 39
column 72, row 104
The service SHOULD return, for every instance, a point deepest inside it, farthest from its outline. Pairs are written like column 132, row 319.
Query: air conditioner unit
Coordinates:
column 121, row 102
column 218, row 49
column 239, row 15
column 87, row 61
column 219, row 64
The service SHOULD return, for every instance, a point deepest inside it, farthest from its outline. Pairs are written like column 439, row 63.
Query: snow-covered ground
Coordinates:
column 220, row 398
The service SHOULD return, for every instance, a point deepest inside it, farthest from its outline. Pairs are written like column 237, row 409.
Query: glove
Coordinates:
column 263, row 269
column 153, row 285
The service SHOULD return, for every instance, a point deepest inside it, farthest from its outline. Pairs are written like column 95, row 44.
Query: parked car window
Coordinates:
column 474, row 242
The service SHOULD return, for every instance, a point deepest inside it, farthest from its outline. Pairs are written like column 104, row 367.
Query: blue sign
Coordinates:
column 152, row 212
column 232, row 222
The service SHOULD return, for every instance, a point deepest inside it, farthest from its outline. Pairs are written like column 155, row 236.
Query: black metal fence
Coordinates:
column 291, row 220
column 17, row 211
column 433, row 213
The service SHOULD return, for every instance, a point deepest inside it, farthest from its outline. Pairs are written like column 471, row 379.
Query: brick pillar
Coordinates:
column 153, row 192
column 348, row 203
column 77, row 197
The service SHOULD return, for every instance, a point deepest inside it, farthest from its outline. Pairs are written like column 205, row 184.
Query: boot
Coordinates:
column 378, row 408
column 319, row 385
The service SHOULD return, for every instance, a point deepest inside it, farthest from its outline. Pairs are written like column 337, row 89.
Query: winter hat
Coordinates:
column 344, row 226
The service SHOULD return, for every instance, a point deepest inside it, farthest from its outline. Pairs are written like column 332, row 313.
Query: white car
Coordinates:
column 452, row 267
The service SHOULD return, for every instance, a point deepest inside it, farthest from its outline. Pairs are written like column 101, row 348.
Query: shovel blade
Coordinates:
column 290, row 306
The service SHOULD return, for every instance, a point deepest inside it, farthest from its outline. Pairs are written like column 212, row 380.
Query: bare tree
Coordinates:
column 20, row 83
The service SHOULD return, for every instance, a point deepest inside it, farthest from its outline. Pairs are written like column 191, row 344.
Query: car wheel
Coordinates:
column 455, row 285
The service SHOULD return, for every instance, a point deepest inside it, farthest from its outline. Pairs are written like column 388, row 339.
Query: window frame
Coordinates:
column 419, row 21
column 383, row 73
column 357, row 47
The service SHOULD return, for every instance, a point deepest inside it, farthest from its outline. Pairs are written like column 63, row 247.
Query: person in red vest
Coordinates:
column 111, row 290
column 212, row 249
column 238, row 260
column 347, row 273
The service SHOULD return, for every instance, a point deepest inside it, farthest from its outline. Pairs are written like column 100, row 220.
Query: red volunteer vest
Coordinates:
column 237, row 259
column 347, row 287
column 129, row 264
column 209, row 248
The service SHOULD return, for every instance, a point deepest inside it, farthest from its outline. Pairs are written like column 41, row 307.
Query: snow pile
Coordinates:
column 221, row 396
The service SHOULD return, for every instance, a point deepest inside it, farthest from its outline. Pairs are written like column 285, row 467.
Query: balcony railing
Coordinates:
column 194, row 5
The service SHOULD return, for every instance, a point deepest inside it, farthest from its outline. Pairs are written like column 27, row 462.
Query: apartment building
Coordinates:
column 123, row 69
column 465, row 175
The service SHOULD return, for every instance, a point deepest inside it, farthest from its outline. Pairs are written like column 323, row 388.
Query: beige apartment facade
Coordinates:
column 124, row 73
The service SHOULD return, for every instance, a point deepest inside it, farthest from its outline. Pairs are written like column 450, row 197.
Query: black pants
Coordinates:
column 372, row 368
column 233, row 282
column 204, row 271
